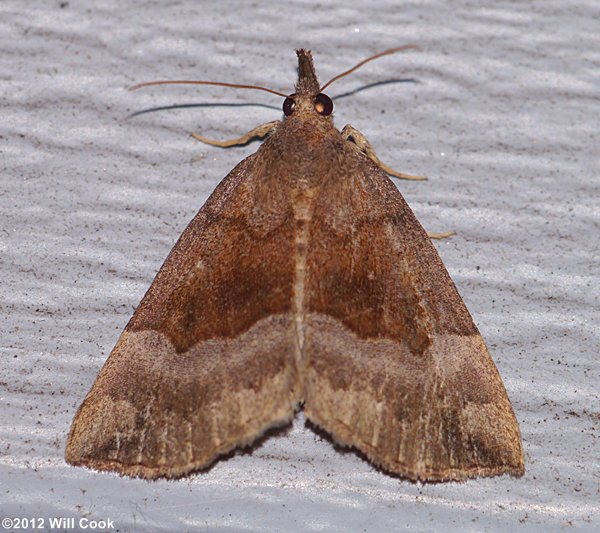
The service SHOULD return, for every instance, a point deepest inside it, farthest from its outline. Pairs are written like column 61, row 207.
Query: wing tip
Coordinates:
column 75, row 455
column 512, row 462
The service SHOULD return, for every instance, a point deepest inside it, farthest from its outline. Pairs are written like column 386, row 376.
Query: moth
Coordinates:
column 305, row 280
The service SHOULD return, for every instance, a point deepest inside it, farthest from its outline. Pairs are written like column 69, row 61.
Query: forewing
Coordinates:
column 206, row 363
column 394, row 364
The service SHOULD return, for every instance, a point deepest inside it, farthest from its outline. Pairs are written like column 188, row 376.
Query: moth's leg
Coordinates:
column 444, row 235
column 259, row 132
column 351, row 134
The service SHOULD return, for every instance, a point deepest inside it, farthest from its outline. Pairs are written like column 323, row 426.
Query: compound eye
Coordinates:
column 323, row 104
column 289, row 105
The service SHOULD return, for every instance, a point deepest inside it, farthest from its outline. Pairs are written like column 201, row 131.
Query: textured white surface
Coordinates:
column 503, row 117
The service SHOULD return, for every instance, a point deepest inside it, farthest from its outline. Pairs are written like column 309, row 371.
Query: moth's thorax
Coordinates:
column 298, row 154
column 309, row 133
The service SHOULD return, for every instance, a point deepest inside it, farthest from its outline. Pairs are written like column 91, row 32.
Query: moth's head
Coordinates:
column 308, row 98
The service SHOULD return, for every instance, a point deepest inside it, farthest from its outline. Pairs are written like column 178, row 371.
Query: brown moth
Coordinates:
column 304, row 280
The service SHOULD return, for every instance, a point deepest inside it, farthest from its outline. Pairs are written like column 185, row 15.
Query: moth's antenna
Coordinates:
column 192, row 82
column 380, row 54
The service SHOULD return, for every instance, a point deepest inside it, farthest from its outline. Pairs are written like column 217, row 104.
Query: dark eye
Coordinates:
column 289, row 105
column 323, row 104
